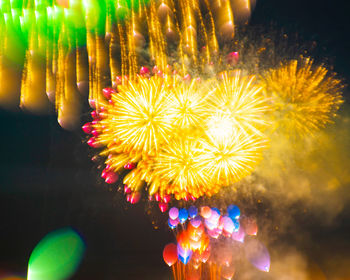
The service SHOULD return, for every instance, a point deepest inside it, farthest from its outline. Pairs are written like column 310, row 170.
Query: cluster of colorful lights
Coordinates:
column 201, row 235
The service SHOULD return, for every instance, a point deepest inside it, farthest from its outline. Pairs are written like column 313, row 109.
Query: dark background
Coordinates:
column 47, row 180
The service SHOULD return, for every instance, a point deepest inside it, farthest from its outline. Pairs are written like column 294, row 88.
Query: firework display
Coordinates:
column 176, row 113
column 186, row 138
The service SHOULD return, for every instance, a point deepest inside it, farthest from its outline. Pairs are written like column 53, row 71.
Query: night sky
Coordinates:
column 47, row 180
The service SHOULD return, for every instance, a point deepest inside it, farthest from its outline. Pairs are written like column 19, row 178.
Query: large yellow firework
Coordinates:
column 186, row 138
column 306, row 97
column 232, row 154
column 186, row 167
column 181, row 171
column 241, row 101
column 189, row 104
column 140, row 118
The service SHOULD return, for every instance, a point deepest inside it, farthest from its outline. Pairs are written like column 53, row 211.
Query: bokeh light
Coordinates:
column 57, row 256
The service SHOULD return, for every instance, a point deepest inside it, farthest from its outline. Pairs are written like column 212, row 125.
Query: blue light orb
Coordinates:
column 234, row 212
column 192, row 211
column 183, row 215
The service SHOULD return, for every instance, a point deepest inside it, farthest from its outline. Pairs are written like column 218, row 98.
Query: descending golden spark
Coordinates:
column 306, row 97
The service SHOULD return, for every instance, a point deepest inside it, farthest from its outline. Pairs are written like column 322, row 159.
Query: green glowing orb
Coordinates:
column 57, row 256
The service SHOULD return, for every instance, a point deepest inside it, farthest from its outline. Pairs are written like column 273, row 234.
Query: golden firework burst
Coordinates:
column 179, row 167
column 140, row 119
column 231, row 156
column 240, row 99
column 306, row 97
column 189, row 104
column 186, row 138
